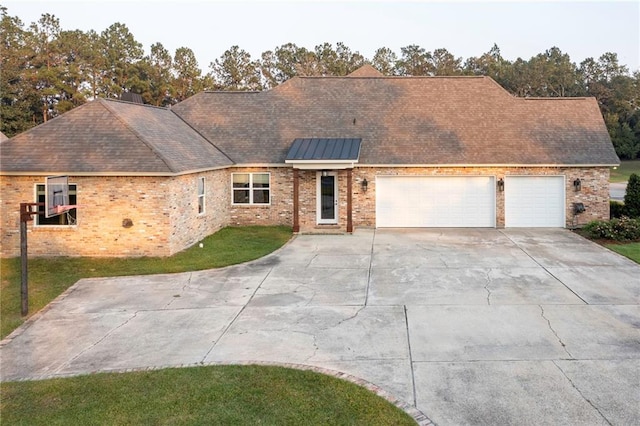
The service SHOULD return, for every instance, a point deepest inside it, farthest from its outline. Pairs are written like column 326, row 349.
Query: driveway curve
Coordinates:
column 469, row 326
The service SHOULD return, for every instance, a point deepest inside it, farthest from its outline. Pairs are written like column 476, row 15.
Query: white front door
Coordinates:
column 327, row 199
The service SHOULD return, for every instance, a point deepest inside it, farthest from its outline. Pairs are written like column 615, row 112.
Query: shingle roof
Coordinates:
column 401, row 121
column 107, row 136
column 404, row 120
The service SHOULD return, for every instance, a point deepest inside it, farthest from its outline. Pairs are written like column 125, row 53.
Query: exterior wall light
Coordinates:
column 365, row 185
column 325, row 173
column 577, row 185
column 500, row 184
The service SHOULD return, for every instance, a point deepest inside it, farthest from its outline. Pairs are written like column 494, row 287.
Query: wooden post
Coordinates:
column 349, row 202
column 24, row 286
column 25, row 216
column 296, row 190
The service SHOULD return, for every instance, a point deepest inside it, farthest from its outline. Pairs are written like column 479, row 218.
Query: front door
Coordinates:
column 327, row 204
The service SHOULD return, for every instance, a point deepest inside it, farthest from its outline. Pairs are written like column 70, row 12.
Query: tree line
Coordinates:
column 47, row 70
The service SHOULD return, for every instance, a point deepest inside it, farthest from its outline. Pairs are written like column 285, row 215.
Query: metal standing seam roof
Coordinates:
column 326, row 149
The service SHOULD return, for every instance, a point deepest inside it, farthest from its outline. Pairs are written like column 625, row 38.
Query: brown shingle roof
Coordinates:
column 401, row 121
column 404, row 120
column 111, row 137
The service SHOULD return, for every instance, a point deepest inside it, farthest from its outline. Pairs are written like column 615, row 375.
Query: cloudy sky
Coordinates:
column 465, row 28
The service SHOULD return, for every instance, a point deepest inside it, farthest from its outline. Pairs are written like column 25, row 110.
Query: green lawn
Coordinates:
column 630, row 250
column 49, row 277
column 622, row 173
column 222, row 395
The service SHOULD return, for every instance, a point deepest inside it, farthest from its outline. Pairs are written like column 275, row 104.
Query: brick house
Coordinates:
column 320, row 154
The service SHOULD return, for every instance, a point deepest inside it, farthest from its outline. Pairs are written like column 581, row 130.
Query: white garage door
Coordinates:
column 534, row 201
column 443, row 201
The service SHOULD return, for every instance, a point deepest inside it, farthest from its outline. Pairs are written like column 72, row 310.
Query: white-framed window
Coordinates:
column 251, row 188
column 201, row 197
column 69, row 218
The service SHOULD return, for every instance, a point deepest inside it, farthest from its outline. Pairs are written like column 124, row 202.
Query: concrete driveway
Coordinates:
column 473, row 326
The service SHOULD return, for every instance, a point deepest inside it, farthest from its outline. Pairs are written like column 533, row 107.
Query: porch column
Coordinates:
column 296, row 186
column 349, row 203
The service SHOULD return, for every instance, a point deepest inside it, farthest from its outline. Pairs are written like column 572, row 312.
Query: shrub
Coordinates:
column 632, row 197
column 623, row 229
column 616, row 209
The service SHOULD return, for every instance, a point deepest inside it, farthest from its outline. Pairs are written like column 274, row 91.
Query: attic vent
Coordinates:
column 131, row 97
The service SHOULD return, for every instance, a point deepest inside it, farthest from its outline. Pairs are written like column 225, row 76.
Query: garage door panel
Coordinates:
column 534, row 201
column 420, row 201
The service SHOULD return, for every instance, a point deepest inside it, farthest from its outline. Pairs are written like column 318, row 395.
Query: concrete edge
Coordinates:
column 29, row 321
column 631, row 262
column 420, row 418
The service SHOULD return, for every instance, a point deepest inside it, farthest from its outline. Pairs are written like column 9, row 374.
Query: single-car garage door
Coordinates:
column 430, row 201
column 534, row 201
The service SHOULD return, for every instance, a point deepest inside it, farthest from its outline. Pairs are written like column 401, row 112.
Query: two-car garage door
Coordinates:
column 468, row 201
column 430, row 201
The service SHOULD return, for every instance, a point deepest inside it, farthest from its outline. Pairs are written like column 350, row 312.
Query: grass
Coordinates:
column 49, row 277
column 226, row 395
column 630, row 250
column 622, row 173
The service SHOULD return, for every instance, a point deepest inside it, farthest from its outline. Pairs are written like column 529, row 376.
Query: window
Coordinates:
column 251, row 188
column 200, row 195
column 69, row 218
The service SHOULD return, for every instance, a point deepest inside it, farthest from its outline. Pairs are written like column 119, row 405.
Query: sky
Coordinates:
column 469, row 28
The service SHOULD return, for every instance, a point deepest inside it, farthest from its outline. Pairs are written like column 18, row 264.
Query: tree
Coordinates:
column 442, row 62
column 385, row 60
column 632, row 196
column 414, row 61
column 187, row 74
column 339, row 61
column 160, row 88
column 15, row 108
column 121, row 52
column 235, row 70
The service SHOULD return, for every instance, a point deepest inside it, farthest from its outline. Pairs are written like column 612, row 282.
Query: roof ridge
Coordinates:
column 137, row 134
column 559, row 98
column 391, row 77
column 120, row 101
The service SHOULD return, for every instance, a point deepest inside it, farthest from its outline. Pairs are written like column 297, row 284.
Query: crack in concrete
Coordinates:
column 224, row 332
column 184, row 288
column 564, row 347
column 308, row 265
column 581, row 394
column 487, row 276
column 366, row 292
column 413, row 375
column 349, row 318
column 93, row 345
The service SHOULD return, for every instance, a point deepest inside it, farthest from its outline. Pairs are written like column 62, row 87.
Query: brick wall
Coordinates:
column 187, row 226
column 163, row 210
column 279, row 212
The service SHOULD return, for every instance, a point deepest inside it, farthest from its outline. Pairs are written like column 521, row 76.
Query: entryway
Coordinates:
column 327, row 198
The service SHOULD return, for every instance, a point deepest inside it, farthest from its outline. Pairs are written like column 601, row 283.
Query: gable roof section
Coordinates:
column 404, row 121
column 111, row 137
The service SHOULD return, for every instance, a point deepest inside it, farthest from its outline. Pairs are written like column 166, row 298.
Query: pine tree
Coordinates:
column 632, row 197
